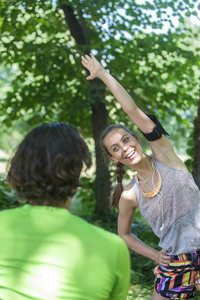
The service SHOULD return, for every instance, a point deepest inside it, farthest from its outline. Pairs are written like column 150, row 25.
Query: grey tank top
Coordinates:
column 174, row 212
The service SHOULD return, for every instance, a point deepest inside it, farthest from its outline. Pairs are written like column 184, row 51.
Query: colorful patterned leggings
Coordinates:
column 181, row 279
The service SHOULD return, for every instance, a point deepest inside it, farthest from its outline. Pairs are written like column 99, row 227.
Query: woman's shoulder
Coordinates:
column 177, row 164
column 164, row 152
column 128, row 196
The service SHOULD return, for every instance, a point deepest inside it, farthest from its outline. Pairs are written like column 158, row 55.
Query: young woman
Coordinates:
column 46, row 252
column 163, row 189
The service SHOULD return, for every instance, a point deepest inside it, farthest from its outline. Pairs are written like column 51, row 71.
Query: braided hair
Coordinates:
column 119, row 187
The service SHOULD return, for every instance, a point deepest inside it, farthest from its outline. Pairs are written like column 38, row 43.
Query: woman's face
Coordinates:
column 123, row 147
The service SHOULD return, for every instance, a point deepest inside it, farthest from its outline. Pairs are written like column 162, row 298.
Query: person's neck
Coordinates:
column 144, row 169
column 65, row 205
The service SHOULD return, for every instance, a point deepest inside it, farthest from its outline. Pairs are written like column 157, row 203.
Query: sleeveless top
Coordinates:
column 174, row 212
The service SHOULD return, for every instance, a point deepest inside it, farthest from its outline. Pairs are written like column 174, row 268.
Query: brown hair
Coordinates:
column 48, row 163
column 115, row 197
column 116, row 194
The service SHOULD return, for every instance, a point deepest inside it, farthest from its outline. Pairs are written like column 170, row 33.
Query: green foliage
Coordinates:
column 190, row 152
column 46, row 76
column 8, row 198
column 49, row 83
column 83, row 202
column 140, row 292
column 11, row 136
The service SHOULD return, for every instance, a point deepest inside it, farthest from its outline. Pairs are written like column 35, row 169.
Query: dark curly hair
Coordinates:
column 48, row 163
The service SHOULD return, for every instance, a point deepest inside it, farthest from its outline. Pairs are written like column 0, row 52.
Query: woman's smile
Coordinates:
column 131, row 154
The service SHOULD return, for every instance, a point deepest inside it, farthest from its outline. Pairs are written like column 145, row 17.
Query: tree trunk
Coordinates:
column 99, row 114
column 99, row 123
column 196, row 165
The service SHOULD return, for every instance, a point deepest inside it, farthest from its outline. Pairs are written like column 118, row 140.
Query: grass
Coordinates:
column 140, row 292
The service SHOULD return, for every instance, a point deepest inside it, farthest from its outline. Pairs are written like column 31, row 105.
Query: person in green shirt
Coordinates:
column 46, row 252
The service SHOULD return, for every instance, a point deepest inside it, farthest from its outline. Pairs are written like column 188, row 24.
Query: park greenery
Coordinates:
column 42, row 80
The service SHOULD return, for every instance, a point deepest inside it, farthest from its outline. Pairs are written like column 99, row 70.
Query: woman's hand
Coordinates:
column 162, row 258
column 93, row 66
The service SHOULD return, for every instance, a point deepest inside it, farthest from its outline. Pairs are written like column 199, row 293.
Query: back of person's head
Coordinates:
column 48, row 163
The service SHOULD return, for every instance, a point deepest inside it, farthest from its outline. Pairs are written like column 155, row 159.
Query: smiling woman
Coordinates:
column 162, row 188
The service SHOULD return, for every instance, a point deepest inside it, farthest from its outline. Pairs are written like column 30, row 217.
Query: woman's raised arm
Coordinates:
column 140, row 119
column 161, row 147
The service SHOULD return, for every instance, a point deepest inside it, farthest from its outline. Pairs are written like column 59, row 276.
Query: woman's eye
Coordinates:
column 126, row 139
column 115, row 149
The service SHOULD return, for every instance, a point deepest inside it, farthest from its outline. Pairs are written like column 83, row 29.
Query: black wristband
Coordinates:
column 157, row 132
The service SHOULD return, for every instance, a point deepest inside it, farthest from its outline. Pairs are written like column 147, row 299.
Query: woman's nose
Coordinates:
column 125, row 148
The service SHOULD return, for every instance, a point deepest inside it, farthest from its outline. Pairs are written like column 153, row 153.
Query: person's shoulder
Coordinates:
column 176, row 164
column 9, row 211
column 10, row 216
column 97, row 231
column 112, row 239
column 128, row 196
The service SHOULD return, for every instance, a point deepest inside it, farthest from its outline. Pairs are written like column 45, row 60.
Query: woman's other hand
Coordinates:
column 162, row 258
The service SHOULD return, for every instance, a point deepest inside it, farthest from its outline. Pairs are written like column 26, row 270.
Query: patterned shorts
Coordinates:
column 181, row 278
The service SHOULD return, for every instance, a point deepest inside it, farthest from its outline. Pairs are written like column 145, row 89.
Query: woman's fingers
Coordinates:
column 86, row 58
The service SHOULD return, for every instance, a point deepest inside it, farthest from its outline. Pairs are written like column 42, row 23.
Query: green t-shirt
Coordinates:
column 47, row 253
